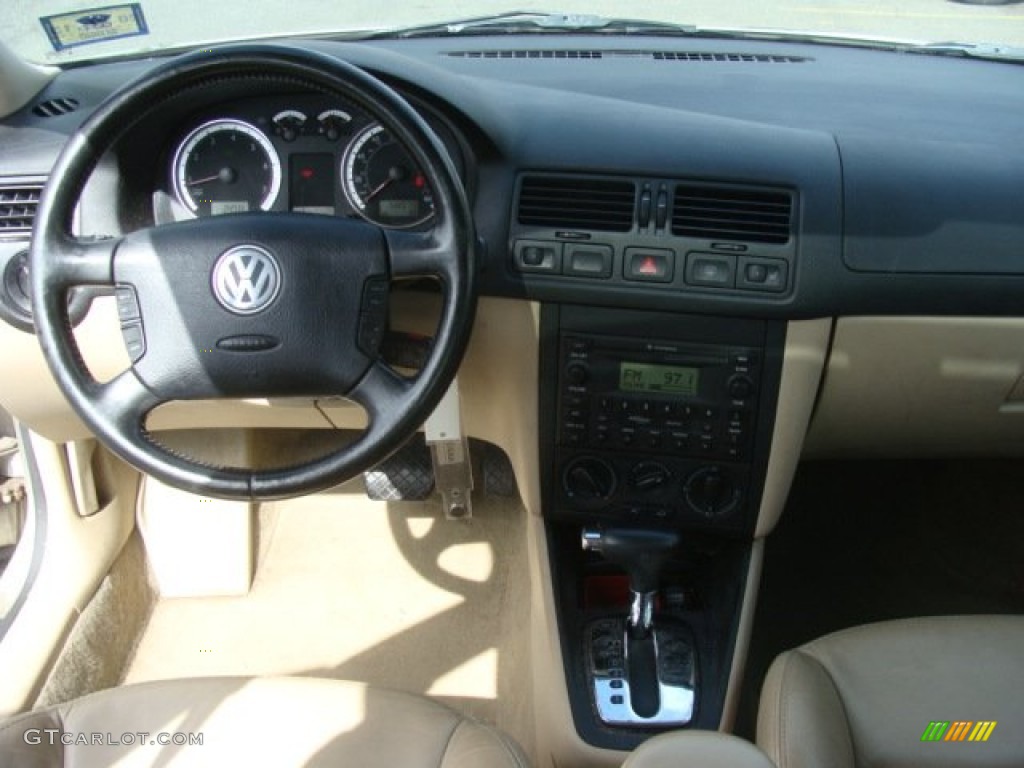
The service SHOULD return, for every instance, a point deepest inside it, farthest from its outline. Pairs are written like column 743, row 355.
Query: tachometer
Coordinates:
column 383, row 183
column 226, row 166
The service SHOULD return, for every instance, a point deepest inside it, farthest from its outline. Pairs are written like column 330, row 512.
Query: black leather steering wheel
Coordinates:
column 252, row 305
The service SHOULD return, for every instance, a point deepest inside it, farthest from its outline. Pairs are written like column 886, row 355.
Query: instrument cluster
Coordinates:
column 301, row 153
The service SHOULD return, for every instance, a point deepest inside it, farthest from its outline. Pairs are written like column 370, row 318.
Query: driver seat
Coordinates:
column 284, row 722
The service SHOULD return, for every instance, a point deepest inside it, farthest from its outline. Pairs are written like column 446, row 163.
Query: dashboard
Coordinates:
column 770, row 181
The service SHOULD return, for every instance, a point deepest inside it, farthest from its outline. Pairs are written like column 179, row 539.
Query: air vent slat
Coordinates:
column 759, row 215
column 577, row 203
column 18, row 204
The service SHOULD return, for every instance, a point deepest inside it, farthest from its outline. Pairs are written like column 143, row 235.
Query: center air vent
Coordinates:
column 727, row 213
column 18, row 203
column 567, row 202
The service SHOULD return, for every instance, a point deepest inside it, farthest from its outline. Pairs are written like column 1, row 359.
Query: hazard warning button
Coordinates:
column 649, row 265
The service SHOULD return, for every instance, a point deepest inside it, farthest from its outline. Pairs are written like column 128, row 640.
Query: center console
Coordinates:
column 652, row 423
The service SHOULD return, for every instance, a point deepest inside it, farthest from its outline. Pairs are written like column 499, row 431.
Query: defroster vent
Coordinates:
column 18, row 203
column 567, row 202
column 726, row 213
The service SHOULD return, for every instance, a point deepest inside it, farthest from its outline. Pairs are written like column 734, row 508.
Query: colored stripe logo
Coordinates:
column 958, row 730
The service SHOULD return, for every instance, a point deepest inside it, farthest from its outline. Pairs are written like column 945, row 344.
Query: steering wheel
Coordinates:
column 252, row 305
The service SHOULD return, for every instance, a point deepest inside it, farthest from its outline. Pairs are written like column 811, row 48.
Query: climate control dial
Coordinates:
column 712, row 492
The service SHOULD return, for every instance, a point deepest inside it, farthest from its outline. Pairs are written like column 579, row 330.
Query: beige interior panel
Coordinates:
column 20, row 81
column 802, row 366
column 212, row 536
column 30, row 393
column 558, row 743
column 743, row 634
column 919, row 386
column 78, row 553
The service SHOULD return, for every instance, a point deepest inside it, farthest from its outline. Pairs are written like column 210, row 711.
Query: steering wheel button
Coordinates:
column 127, row 304
column 134, row 340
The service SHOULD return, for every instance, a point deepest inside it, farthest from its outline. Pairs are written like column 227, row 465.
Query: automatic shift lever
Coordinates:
column 642, row 554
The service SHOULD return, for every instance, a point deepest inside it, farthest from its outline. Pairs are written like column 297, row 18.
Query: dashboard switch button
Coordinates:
column 711, row 270
column 588, row 261
column 648, row 265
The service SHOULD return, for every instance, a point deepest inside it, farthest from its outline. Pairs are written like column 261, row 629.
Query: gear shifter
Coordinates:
column 642, row 554
column 648, row 675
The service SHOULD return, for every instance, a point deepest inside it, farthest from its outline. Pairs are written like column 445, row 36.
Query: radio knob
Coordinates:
column 577, row 373
column 589, row 479
column 740, row 387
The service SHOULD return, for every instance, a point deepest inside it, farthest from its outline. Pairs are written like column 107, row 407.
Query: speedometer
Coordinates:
column 383, row 183
column 226, row 166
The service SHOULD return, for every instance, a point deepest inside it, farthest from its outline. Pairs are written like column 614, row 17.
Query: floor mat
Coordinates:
column 386, row 593
column 864, row 541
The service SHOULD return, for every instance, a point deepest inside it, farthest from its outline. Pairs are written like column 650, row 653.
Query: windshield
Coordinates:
column 63, row 31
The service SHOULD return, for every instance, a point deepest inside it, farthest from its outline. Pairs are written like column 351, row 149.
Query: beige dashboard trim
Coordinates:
column 806, row 350
column 743, row 635
column 921, row 387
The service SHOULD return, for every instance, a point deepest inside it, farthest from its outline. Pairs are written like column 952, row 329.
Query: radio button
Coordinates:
column 680, row 441
column 575, row 414
column 653, row 439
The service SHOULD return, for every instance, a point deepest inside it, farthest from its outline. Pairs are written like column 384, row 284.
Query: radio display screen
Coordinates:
column 670, row 379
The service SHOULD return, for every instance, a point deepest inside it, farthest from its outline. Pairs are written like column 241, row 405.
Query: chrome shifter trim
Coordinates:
column 609, row 682
column 641, row 611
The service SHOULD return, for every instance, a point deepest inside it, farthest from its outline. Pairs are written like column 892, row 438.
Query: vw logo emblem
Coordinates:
column 246, row 279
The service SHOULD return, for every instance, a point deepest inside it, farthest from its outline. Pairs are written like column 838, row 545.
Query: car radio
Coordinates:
column 653, row 429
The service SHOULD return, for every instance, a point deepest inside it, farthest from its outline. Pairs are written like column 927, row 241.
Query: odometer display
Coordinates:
column 670, row 379
column 382, row 182
column 226, row 166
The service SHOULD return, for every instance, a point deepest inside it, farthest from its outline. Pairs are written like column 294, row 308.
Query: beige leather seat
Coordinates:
column 697, row 749
column 868, row 697
column 280, row 722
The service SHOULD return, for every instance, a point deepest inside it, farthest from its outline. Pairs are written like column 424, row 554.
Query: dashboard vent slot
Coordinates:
column 750, row 215
column 528, row 54
column 577, row 203
column 55, row 107
column 18, row 203
column 584, row 54
column 748, row 58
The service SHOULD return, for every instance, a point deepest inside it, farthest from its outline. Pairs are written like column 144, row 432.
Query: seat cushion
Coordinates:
column 281, row 722
column 697, row 749
column 865, row 697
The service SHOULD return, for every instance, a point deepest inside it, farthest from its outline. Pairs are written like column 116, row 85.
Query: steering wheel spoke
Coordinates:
column 126, row 401
column 381, row 392
column 418, row 254
column 74, row 261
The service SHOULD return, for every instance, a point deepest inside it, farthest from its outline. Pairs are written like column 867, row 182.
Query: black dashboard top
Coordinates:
column 900, row 176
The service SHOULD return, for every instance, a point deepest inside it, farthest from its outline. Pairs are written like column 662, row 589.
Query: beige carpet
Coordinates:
column 390, row 594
